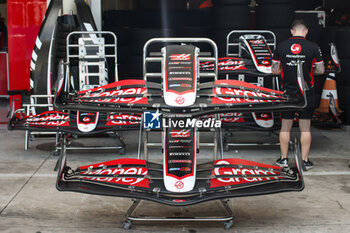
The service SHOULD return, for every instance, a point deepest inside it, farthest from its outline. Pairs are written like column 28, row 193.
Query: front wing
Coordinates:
column 224, row 178
column 213, row 97
column 57, row 121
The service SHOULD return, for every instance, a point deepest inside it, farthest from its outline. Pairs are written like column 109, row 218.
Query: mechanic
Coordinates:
column 284, row 63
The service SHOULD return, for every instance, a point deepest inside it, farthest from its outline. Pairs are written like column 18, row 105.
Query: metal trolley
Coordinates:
column 150, row 56
column 234, row 47
column 88, row 53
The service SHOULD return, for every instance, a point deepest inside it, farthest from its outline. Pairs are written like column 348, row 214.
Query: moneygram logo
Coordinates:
column 295, row 48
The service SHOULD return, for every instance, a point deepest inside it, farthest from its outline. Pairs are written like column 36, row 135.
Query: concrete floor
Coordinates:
column 29, row 201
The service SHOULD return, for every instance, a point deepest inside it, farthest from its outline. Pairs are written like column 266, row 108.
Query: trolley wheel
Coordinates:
column 228, row 224
column 122, row 151
column 226, row 148
column 127, row 225
column 291, row 146
column 55, row 153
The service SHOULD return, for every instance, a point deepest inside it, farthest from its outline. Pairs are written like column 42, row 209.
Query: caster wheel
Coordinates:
column 228, row 224
column 226, row 148
column 55, row 153
column 122, row 151
column 291, row 147
column 127, row 225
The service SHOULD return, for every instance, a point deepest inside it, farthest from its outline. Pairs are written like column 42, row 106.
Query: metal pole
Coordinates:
column 140, row 140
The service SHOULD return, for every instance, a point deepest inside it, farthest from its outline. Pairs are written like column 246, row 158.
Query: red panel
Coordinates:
column 3, row 74
column 24, row 20
column 35, row 12
column 15, row 14
column 18, row 64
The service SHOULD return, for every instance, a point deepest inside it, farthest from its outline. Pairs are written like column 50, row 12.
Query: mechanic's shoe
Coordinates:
column 282, row 162
column 308, row 165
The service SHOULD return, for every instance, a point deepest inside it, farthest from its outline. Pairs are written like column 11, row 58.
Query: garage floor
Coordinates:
column 29, row 201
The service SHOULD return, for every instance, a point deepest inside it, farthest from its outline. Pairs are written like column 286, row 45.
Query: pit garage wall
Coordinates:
column 24, row 20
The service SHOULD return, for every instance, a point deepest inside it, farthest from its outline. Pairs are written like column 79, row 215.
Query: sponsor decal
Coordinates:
column 265, row 62
column 231, row 65
column 179, row 200
column 180, row 161
column 140, row 182
column 180, row 73
column 256, row 41
column 178, row 67
column 179, row 153
column 152, row 120
column 174, row 169
column 180, row 85
column 244, row 93
column 178, row 147
column 102, row 169
column 86, row 119
column 180, row 63
column 180, row 141
column 115, row 94
column 295, row 48
column 219, row 182
column 180, row 133
column 52, row 120
column 180, row 57
column 123, row 119
column 179, row 184
column 186, row 169
column 180, row 100
column 175, row 85
column 180, row 78
column 227, row 64
column 261, row 51
column 232, row 117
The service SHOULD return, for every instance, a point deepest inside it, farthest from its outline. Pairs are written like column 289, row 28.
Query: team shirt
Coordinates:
column 291, row 50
